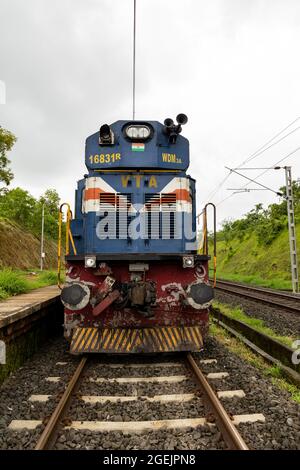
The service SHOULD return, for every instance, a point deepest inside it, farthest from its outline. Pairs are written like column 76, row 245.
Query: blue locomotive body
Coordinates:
column 133, row 267
column 136, row 175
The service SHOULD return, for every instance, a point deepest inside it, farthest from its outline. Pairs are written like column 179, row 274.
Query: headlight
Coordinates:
column 90, row 262
column 188, row 261
column 138, row 132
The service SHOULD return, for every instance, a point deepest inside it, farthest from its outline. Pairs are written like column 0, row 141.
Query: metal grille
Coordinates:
column 116, row 208
column 160, row 211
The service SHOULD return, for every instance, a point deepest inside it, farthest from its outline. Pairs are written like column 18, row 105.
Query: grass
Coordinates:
column 14, row 282
column 248, row 261
column 42, row 279
column 238, row 348
column 238, row 314
column 278, row 284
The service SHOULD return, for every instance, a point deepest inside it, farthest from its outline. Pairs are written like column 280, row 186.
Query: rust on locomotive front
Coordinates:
column 136, row 271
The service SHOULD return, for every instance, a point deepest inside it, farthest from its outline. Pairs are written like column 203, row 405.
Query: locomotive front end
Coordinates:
column 135, row 280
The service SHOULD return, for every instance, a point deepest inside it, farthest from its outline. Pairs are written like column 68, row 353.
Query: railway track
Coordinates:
column 283, row 300
column 214, row 413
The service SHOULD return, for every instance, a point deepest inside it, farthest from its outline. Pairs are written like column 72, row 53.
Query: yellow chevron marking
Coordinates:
column 95, row 339
column 134, row 339
column 158, row 334
column 161, row 338
column 156, row 340
column 111, row 339
column 198, row 339
column 188, row 335
column 139, row 338
column 192, row 333
column 119, row 342
column 78, row 339
column 129, row 340
column 107, row 340
column 88, row 337
column 176, row 333
column 170, row 337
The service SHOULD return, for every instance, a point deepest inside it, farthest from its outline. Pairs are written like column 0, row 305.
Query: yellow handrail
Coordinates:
column 69, row 237
column 204, row 242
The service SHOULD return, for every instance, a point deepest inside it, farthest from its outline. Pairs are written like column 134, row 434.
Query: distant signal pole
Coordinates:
column 292, row 227
column 42, row 237
column 290, row 211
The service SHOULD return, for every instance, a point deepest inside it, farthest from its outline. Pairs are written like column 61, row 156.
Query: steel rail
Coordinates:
column 261, row 295
column 268, row 290
column 229, row 432
column 48, row 435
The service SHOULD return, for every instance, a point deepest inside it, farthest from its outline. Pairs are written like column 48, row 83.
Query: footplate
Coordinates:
column 136, row 340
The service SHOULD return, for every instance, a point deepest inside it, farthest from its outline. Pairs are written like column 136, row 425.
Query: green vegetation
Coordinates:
column 278, row 284
column 274, row 371
column 237, row 347
column 20, row 224
column 255, row 248
column 7, row 141
column 19, row 206
column 13, row 282
column 238, row 314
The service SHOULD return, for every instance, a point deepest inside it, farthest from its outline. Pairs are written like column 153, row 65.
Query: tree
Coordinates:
column 51, row 201
column 7, row 140
column 18, row 205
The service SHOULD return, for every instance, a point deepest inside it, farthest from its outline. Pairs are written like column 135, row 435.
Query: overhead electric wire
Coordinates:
column 267, row 148
column 275, row 164
column 253, row 181
column 258, row 152
column 269, row 141
column 133, row 65
column 258, row 176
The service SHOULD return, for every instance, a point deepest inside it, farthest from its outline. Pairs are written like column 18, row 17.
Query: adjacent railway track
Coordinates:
column 229, row 432
column 273, row 350
column 278, row 299
column 213, row 409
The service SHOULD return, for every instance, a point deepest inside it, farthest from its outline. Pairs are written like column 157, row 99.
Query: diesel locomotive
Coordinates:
column 135, row 280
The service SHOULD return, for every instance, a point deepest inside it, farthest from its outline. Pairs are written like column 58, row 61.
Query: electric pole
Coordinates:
column 290, row 211
column 292, row 228
column 42, row 237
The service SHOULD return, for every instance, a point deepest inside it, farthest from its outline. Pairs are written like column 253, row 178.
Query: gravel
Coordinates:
column 282, row 414
column 280, row 431
column 282, row 322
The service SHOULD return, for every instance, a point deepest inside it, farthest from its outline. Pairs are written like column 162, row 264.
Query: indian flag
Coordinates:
column 137, row 147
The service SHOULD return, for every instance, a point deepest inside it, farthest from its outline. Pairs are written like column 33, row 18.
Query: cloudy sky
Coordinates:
column 231, row 65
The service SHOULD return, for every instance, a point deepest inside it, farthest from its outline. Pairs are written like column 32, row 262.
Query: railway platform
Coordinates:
column 26, row 321
column 22, row 305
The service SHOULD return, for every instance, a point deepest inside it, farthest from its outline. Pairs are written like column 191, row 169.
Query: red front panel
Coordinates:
column 171, row 281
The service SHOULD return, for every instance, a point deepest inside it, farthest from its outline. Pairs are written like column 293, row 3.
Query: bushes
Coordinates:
column 19, row 206
column 12, row 283
column 18, row 282
column 268, row 230
column 267, row 223
column 49, row 277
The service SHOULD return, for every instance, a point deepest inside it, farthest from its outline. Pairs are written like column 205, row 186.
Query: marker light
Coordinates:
column 90, row 262
column 138, row 132
column 188, row 261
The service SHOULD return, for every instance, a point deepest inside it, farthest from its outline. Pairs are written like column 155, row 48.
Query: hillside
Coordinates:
column 20, row 249
column 250, row 261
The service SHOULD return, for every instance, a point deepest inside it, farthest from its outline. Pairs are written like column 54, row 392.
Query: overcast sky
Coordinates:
column 231, row 65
